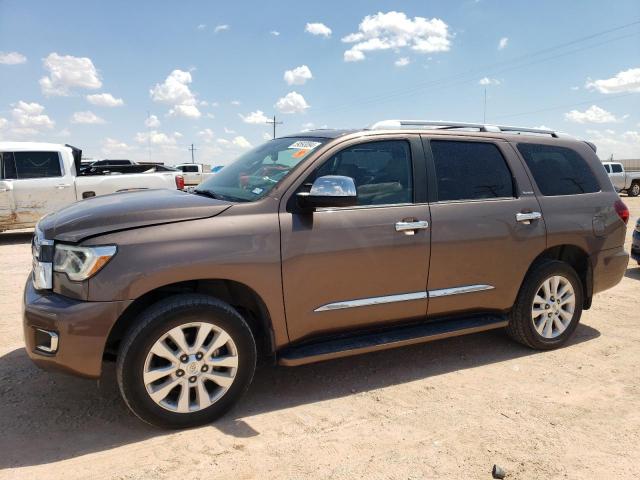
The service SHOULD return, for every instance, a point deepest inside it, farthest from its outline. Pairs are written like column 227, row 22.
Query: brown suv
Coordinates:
column 320, row 245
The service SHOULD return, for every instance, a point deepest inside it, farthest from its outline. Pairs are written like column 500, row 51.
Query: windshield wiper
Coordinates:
column 219, row 196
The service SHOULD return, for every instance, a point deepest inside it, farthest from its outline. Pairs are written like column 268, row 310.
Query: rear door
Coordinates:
column 486, row 225
column 617, row 176
column 41, row 185
column 7, row 219
column 354, row 267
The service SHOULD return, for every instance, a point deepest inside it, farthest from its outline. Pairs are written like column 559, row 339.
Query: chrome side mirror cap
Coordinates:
column 330, row 191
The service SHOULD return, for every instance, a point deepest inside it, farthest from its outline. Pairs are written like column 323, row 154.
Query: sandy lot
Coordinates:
column 446, row 409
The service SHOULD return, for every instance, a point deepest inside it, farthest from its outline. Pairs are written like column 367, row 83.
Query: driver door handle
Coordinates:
column 527, row 217
column 409, row 228
column 60, row 186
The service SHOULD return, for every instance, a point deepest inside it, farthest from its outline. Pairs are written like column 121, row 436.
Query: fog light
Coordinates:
column 46, row 341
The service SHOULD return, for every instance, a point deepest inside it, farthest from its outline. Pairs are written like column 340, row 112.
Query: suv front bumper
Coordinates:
column 78, row 330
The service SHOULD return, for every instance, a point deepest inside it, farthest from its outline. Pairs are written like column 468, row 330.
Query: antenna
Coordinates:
column 192, row 149
column 274, row 123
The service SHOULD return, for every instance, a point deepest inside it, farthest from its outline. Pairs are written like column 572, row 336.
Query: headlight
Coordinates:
column 80, row 263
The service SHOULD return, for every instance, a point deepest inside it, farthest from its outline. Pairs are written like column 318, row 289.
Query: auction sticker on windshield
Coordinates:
column 304, row 145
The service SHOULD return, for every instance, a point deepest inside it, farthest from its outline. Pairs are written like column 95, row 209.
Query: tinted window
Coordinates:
column 615, row 168
column 558, row 170
column 470, row 171
column 381, row 171
column 37, row 164
column 607, row 168
column 189, row 168
column 8, row 166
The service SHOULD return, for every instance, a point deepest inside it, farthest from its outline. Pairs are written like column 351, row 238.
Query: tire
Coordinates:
column 185, row 320
column 533, row 331
column 634, row 190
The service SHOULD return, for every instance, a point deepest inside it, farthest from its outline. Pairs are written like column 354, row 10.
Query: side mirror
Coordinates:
column 329, row 191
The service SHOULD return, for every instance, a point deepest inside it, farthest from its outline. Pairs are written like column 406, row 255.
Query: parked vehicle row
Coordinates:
column 193, row 173
column 40, row 178
column 321, row 245
column 628, row 182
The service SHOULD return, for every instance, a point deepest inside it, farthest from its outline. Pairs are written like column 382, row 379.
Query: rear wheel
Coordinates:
column 188, row 360
column 548, row 307
column 634, row 190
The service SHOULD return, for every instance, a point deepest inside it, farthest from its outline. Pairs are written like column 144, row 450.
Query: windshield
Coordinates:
column 254, row 174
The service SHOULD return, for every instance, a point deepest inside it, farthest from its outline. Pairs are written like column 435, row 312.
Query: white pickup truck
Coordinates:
column 39, row 178
column 193, row 173
column 623, row 181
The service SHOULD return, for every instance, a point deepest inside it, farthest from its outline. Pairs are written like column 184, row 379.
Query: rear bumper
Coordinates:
column 608, row 268
column 80, row 328
column 635, row 246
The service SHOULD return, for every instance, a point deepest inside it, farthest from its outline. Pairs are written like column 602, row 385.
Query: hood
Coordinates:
column 123, row 211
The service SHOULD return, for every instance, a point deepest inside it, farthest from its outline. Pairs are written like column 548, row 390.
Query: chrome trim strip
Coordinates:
column 365, row 302
column 402, row 297
column 445, row 292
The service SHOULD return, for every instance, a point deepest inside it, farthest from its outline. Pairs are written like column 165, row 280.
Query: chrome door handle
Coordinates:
column 62, row 185
column 409, row 228
column 527, row 217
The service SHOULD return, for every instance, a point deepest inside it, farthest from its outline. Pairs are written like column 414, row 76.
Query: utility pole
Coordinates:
column 484, row 112
column 274, row 123
column 192, row 149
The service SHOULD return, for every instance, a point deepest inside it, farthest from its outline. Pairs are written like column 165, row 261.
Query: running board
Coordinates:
column 318, row 351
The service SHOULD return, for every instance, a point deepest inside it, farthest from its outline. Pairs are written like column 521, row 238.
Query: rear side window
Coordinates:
column 37, row 164
column 8, row 166
column 615, row 168
column 558, row 170
column 607, row 168
column 189, row 168
column 470, row 171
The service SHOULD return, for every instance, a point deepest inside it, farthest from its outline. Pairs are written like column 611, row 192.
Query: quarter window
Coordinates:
column 470, row 171
column 615, row 168
column 37, row 164
column 381, row 171
column 558, row 170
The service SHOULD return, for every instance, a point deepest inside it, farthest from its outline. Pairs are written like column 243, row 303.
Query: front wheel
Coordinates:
column 548, row 307
column 187, row 361
column 634, row 190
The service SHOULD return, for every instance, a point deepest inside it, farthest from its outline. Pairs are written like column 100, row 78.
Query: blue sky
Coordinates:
column 209, row 72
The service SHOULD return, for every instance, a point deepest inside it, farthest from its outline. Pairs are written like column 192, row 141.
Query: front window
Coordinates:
column 254, row 174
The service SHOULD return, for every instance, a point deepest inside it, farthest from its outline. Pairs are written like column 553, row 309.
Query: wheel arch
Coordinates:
column 239, row 295
column 579, row 261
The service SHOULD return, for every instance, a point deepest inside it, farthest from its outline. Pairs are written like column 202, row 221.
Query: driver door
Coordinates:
column 350, row 268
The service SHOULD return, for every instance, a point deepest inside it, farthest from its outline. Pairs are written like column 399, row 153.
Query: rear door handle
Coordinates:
column 527, row 217
column 60, row 186
column 409, row 228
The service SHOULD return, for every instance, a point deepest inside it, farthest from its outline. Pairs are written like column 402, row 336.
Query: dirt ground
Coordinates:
column 448, row 409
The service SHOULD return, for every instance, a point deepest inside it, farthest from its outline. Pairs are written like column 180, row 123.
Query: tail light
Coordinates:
column 622, row 211
column 180, row 185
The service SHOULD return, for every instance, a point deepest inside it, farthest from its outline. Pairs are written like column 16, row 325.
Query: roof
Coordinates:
column 20, row 146
column 323, row 133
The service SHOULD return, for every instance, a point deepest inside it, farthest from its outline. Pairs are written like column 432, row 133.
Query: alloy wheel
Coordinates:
column 553, row 307
column 190, row 367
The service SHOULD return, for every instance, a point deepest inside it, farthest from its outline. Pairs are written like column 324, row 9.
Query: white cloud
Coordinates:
column 221, row 28
column 275, row 33
column 254, row 117
column 308, row 126
column 292, row 102
column 211, row 115
column 502, row 44
column 67, row 72
column 488, row 81
column 298, row 76
column 87, row 118
column 157, row 138
column 105, row 100
column 223, row 141
column 620, row 145
column 27, row 120
column 152, row 122
column 241, row 142
column 593, row 114
column 395, row 31
column 12, row 58
column 3, row 123
column 175, row 91
column 228, row 131
column 402, row 62
column 575, row 87
column 206, row 134
column 266, row 136
column 318, row 29
column 235, row 103
column 111, row 146
column 202, row 26
column 625, row 81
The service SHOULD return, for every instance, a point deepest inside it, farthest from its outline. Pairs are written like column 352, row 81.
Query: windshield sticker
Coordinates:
column 304, row 145
column 257, row 191
column 300, row 153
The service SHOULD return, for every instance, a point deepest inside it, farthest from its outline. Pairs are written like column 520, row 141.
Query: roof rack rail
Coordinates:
column 445, row 125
